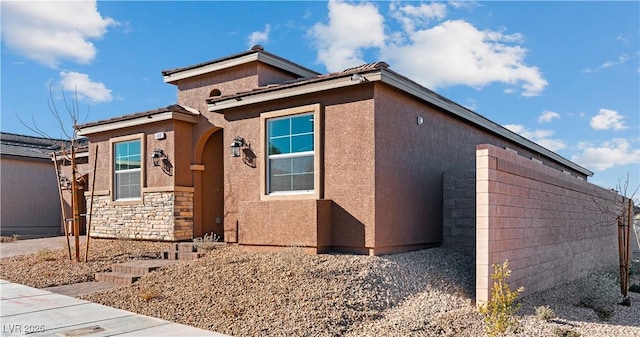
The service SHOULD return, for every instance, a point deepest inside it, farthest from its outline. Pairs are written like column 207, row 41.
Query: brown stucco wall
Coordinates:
column 165, row 211
column 286, row 223
column 410, row 161
column 30, row 205
column 348, row 175
column 549, row 225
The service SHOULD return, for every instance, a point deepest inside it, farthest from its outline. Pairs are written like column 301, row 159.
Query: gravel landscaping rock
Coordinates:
column 52, row 267
column 423, row 293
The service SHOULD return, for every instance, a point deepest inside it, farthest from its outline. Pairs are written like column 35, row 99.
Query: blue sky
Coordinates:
column 564, row 74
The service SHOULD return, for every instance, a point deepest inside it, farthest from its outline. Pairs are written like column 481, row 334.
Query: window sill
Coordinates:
column 121, row 202
column 291, row 196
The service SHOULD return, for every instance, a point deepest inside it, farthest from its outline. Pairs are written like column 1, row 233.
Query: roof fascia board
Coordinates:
column 142, row 120
column 281, row 64
column 210, row 68
column 416, row 90
column 276, row 62
column 339, row 82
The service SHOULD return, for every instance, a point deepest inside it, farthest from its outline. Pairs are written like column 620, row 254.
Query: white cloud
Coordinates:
column 617, row 152
column 450, row 53
column 411, row 16
column 540, row 136
column 351, row 28
column 53, row 31
column 457, row 53
column 548, row 116
column 607, row 120
column 259, row 37
column 86, row 89
column 622, row 59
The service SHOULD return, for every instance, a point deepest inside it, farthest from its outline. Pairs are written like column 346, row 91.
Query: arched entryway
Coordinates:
column 209, row 187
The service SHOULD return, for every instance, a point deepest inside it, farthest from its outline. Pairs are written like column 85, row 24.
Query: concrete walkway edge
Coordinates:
column 37, row 312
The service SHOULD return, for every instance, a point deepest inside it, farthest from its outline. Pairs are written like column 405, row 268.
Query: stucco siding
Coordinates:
column 411, row 160
column 30, row 205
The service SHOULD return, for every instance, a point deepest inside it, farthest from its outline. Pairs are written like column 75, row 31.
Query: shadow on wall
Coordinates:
column 348, row 232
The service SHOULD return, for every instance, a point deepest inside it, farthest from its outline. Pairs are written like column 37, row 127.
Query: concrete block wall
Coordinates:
column 548, row 224
column 459, row 211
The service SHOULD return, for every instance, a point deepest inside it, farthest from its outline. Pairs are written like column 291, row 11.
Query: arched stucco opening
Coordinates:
column 209, row 185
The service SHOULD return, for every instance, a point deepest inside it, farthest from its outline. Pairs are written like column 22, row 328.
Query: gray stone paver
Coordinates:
column 81, row 289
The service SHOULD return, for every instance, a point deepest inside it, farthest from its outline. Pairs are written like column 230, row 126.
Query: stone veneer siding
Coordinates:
column 547, row 223
column 166, row 216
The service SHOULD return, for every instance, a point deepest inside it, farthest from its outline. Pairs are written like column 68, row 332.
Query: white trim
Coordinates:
column 289, row 92
column 224, row 64
column 318, row 191
column 168, row 189
column 141, row 120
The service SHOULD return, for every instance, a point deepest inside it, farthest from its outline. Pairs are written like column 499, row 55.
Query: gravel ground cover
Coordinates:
column 423, row 293
column 52, row 267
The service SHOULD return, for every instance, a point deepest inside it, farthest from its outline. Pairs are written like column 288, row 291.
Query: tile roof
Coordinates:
column 171, row 108
column 362, row 69
column 28, row 146
column 254, row 49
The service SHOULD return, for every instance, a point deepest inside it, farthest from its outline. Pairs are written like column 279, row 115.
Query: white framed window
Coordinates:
column 291, row 139
column 290, row 157
column 127, row 175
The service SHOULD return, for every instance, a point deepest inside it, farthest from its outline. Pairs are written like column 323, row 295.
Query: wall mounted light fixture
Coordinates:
column 156, row 156
column 236, row 144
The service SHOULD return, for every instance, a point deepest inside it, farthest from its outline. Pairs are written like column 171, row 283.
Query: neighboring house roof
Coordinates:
column 256, row 53
column 379, row 72
column 28, row 146
column 176, row 112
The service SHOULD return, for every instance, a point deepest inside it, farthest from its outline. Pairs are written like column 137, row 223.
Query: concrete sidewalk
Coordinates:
column 22, row 247
column 36, row 312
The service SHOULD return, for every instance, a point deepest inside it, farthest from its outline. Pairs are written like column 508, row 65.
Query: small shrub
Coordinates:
column 499, row 312
column 563, row 332
column 635, row 288
column 600, row 290
column 207, row 242
column 545, row 313
column 604, row 312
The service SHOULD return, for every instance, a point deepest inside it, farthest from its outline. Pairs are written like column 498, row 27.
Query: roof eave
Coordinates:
column 244, row 59
column 401, row 83
column 277, row 93
column 136, row 121
column 431, row 97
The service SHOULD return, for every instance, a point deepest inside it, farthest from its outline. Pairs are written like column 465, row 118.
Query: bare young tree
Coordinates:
column 621, row 214
column 68, row 151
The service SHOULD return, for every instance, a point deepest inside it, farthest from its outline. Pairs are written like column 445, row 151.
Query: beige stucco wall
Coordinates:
column 550, row 226
column 30, row 205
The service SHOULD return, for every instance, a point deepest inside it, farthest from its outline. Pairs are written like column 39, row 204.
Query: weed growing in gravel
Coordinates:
column 148, row 294
column 208, row 241
column 635, row 288
column 46, row 255
column 500, row 311
column 545, row 313
column 564, row 332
